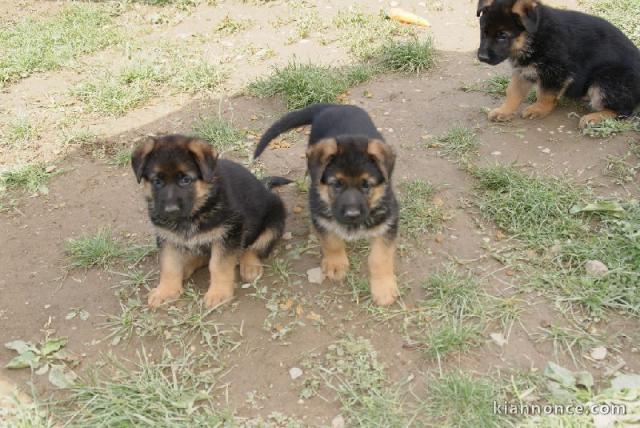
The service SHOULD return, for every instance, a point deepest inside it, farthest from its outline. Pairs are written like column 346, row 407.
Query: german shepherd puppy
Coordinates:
column 205, row 211
column 565, row 53
column 350, row 196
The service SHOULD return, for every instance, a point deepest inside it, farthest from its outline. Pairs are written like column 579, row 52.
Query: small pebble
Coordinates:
column 295, row 372
column 338, row 422
column 315, row 275
column 599, row 353
column 596, row 268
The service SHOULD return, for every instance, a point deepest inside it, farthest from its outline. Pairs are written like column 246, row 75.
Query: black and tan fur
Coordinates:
column 350, row 196
column 564, row 53
column 205, row 211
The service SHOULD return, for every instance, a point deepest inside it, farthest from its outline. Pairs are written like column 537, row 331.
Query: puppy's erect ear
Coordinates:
column 319, row 155
column 383, row 155
column 205, row 156
column 139, row 156
column 482, row 6
column 527, row 11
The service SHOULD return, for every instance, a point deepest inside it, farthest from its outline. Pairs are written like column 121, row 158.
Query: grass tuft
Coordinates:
column 535, row 210
column 610, row 127
column 408, row 56
column 102, row 250
column 365, row 35
column 220, row 133
column 165, row 393
column 19, row 132
column 32, row 178
column 35, row 45
column 304, row 84
column 460, row 400
column 418, row 213
column 459, row 143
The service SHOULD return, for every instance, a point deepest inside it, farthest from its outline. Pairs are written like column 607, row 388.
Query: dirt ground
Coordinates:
column 37, row 290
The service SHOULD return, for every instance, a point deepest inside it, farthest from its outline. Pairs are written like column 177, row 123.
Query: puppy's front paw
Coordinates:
column 384, row 291
column 335, row 267
column 250, row 267
column 500, row 115
column 536, row 111
column 217, row 296
column 159, row 295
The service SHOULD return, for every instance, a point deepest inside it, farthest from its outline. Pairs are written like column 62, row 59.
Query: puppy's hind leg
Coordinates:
column 250, row 260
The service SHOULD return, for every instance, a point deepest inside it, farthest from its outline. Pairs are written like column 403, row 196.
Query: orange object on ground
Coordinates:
column 405, row 17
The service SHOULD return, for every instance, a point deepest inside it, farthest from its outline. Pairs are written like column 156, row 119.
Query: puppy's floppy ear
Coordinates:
column 139, row 156
column 205, row 156
column 383, row 155
column 319, row 155
column 483, row 5
column 527, row 11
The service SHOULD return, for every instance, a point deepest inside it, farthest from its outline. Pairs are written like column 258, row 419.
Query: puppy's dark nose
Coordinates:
column 171, row 208
column 483, row 56
column 352, row 213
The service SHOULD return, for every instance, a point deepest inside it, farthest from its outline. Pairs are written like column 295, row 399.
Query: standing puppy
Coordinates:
column 205, row 211
column 350, row 196
column 565, row 53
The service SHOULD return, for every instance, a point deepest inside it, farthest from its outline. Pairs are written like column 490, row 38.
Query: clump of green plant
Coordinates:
column 408, row 56
column 459, row 143
column 102, row 249
column 220, row 133
column 365, row 35
column 36, row 44
column 19, row 132
column 32, row 178
column 229, row 25
column 610, row 127
column 351, row 369
column 168, row 392
column 418, row 213
column 458, row 399
column 559, row 222
column 305, row 84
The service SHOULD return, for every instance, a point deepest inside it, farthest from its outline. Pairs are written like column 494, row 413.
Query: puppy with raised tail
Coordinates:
column 350, row 196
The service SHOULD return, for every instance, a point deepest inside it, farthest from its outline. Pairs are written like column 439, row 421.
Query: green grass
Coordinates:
column 451, row 336
column 34, row 45
column 304, row 84
column 553, row 218
column 102, row 249
column 418, row 214
column 450, row 293
column 459, row 143
column 621, row 13
column 122, row 157
column 352, row 369
column 535, row 210
column 408, row 56
column 621, row 169
column 19, row 132
column 460, row 400
column 115, row 94
column 611, row 127
column 365, row 35
column 32, row 178
column 229, row 25
column 165, row 391
column 220, row 133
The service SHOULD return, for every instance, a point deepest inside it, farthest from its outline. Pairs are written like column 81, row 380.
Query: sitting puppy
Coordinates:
column 205, row 211
column 350, row 196
column 565, row 53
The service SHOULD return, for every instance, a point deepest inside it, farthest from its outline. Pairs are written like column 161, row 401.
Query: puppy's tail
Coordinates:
column 289, row 121
column 271, row 182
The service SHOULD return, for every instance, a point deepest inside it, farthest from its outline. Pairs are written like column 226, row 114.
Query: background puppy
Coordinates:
column 565, row 53
column 350, row 196
column 205, row 211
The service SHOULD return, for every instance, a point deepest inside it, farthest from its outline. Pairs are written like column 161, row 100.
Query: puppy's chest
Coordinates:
column 528, row 72
column 193, row 238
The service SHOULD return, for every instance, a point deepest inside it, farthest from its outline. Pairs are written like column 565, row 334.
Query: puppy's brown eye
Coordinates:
column 337, row 185
column 502, row 35
column 365, row 185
